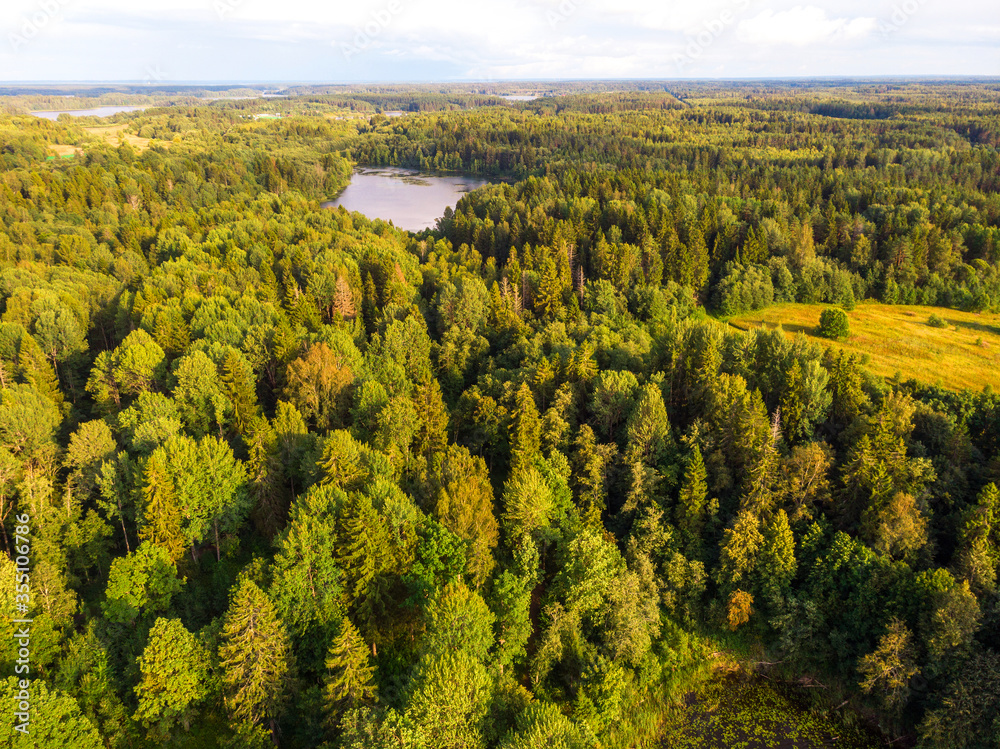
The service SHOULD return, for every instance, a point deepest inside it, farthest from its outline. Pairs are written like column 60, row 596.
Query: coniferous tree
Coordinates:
column 255, row 659
column 239, row 388
column 350, row 675
column 978, row 555
column 592, row 464
column 363, row 545
column 525, row 429
column 161, row 513
column 692, row 504
column 174, row 669
column 890, row 667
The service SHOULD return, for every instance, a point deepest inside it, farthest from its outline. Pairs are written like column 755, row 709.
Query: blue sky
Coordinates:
column 408, row 40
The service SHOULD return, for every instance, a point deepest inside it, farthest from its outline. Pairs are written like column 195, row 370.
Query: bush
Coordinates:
column 936, row 321
column 833, row 324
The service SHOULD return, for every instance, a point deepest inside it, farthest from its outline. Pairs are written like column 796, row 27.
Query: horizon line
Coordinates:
column 498, row 81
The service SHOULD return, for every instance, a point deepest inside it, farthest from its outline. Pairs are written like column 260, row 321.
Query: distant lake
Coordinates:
column 98, row 112
column 411, row 200
column 512, row 97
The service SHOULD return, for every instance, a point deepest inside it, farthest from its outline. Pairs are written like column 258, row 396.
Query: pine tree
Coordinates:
column 695, row 260
column 849, row 399
column 350, row 679
column 548, row 301
column 978, row 557
column 754, row 249
column 652, row 262
column 343, row 300
column 673, row 251
column 268, row 478
column 647, row 432
column 255, row 658
column 759, row 498
column 35, row 369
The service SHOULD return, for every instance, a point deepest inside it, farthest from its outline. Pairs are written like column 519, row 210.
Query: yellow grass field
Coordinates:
column 113, row 134
column 63, row 151
column 966, row 354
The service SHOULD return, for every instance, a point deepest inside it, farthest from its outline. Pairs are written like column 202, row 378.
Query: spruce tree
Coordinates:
column 363, row 545
column 350, row 676
column 777, row 565
column 239, row 388
column 174, row 669
column 691, row 505
column 255, row 658
column 591, row 464
column 525, row 429
column 796, row 426
column 161, row 513
column 432, row 434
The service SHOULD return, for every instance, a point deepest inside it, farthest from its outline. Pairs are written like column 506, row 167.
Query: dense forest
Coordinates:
column 291, row 476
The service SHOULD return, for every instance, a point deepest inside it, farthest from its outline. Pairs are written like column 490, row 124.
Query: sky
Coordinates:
column 491, row 40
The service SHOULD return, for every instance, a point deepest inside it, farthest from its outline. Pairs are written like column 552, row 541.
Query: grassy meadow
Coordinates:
column 741, row 711
column 115, row 134
column 898, row 339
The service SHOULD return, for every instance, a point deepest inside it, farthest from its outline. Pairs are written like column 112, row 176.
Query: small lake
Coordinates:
column 411, row 200
column 96, row 112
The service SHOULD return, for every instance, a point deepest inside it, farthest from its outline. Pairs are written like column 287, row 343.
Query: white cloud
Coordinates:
column 802, row 26
column 455, row 39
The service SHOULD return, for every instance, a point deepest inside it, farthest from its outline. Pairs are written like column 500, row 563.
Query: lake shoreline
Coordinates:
column 100, row 112
column 411, row 199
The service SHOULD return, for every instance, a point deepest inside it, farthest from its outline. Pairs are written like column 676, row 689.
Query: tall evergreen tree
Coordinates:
column 350, row 675
column 236, row 379
column 161, row 513
column 174, row 669
column 691, row 510
column 525, row 429
column 255, row 658
column 363, row 545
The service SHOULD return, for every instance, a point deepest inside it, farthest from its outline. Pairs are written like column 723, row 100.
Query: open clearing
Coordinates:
column 751, row 712
column 114, row 134
column 65, row 151
column 965, row 354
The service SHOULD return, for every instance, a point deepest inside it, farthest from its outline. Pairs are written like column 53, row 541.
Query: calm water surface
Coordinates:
column 98, row 112
column 411, row 200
